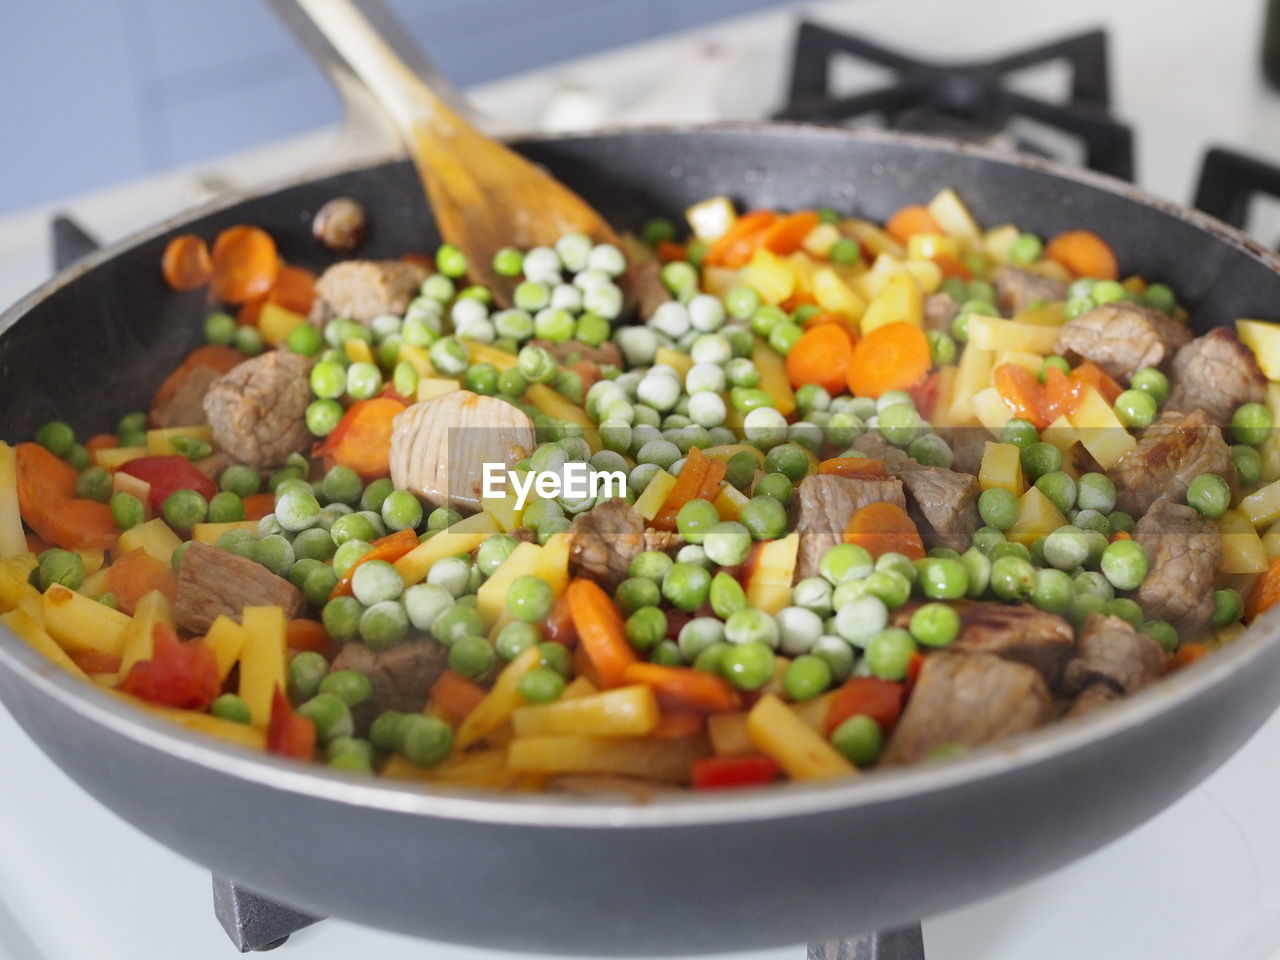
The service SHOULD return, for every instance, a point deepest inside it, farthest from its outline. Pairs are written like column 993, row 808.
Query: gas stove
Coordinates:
column 1145, row 99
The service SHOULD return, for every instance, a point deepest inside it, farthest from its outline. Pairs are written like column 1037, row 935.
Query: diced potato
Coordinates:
column 485, row 353
column 139, row 639
column 718, row 281
column 928, row 246
column 803, row 753
column 1100, row 430
column 29, row 630
column 873, row 237
column 834, row 295
column 358, row 351
column 275, row 323
column 991, row 410
column 655, row 495
column 14, row 588
column 1028, row 361
column 769, row 587
column 154, row 536
column 900, row 300
column 463, row 537
column 621, row 712
column 553, row 563
column 669, row 761
column 13, row 542
column 96, row 584
column 728, row 734
column 1242, row 548
column 210, row 532
column 491, row 598
column 158, row 444
column 953, row 216
column 421, row 359
column 226, row 639
column 122, row 482
column 821, row 239
column 813, row 712
column 92, row 559
column 557, row 407
column 992, row 333
column 79, row 623
column 1263, row 338
column 945, row 397
column 1037, row 517
column 771, row 276
column 730, row 501
column 579, row 687
column 1061, row 434
column 709, row 219
column 431, row 387
column 682, row 362
column 502, row 699
column 1001, row 467
column 926, row 273
column 113, row 458
column 773, row 377
column 973, row 373
column 503, row 510
column 1045, row 315
column 263, row 665
column 1051, row 268
column 997, row 242
column 477, row 768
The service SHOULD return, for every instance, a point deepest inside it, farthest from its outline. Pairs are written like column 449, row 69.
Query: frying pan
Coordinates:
column 592, row 876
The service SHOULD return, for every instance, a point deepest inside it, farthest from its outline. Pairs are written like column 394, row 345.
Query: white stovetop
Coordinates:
column 1200, row 881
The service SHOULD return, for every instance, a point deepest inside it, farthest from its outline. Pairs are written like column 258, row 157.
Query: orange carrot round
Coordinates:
column 186, row 264
column 134, row 575
column 892, row 357
column 294, row 289
column 821, row 356
column 786, row 234
column 362, row 439
column 48, row 505
column 1084, row 253
column 909, row 221
column 884, row 528
column 737, row 244
column 245, row 264
column 303, row 634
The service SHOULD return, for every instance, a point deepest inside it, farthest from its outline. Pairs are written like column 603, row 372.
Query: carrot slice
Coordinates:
column 1092, row 374
column 258, row 505
column 1188, row 654
column 600, row 632
column 362, row 439
column 668, row 251
column 683, row 688
column 455, row 694
column 134, row 575
column 786, row 234
column 186, row 264
column 822, row 355
column 389, row 548
column 884, row 528
column 737, row 244
column 713, row 480
column 688, row 484
column 250, row 311
column 303, row 634
column 47, row 502
column 1265, row 591
column 678, row 725
column 1022, row 393
column 1062, row 394
column 881, row 700
column 892, row 357
column 294, row 289
column 245, row 264
column 859, row 468
column 100, row 441
column 218, row 358
column 1084, row 253
column 909, row 221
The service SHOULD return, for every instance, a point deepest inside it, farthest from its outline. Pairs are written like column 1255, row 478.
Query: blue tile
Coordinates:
column 186, row 37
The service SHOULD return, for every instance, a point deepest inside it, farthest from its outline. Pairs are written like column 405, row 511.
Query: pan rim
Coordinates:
column 687, row 810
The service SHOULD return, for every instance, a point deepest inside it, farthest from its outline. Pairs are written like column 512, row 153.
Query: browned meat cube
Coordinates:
column 1016, row 632
column 939, row 310
column 361, row 289
column 1017, row 289
column 1171, row 453
column 1183, row 552
column 1122, row 338
column 185, row 408
column 258, row 410
column 1215, row 373
column 643, row 281
column 967, row 700
column 967, row 444
column 603, row 542
column 664, row 541
column 212, row 582
column 824, row 505
column 573, row 351
column 1111, row 651
column 1091, row 698
column 401, row 675
column 439, row 447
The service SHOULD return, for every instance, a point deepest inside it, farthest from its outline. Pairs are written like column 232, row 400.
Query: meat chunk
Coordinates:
column 439, row 448
column 401, row 676
column 939, row 310
column 967, row 699
column 643, row 282
column 1171, row 453
column 258, row 410
column 212, row 582
column 967, row 444
column 1122, row 338
column 361, row 289
column 185, row 406
column 1183, row 552
column 664, row 541
column 603, row 542
column 1215, row 373
column 1016, row 632
column 1017, row 289
column 1111, row 651
column 944, row 503
column 824, row 505
column 572, row 351
column 1091, row 698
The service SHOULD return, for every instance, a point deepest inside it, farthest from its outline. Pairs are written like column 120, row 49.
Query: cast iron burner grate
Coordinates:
column 967, row 101
column 1229, row 183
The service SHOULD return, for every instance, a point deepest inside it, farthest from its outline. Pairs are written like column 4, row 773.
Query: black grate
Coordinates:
column 967, row 101
column 1229, row 183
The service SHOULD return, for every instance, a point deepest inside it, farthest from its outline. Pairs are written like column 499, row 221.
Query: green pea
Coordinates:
column 374, row 495
column 1124, row 608
column 306, row 671
column 230, row 707
column 94, row 483
column 1124, row 564
column 636, row 592
column 1136, row 408
column 341, row 618
column 556, row 656
column 764, row 517
column 57, row 437
column 1013, row 578
column 890, row 586
column 1052, row 592
column 859, row 739
column 650, row 564
column 226, row 507
column 1010, row 548
column 456, row 622
column 935, row 624
column 686, row 585
column 386, row 733
column 726, row 595
column 1027, row 248
column 695, row 518
column 1055, row 361
column 727, row 543
column 239, row 479
column 1092, row 583
column 1251, row 424
column 845, row 561
column 998, row 508
column 747, row 666
column 515, row 638
column 1118, row 521
column 1210, row 495
column 1021, row 433
column 806, row 677
column 1059, row 488
column 375, row 581
column 331, row 716
column 473, row 657
column 646, row 627
column 60, row 566
column 1163, row 633
column 1095, row 491
column 1040, row 458
column 275, row 553
column 442, row 518
column 541, row 685
column 109, row 600
column 384, row 624
column 183, row 509
column 319, row 584
column 1228, row 607
column 425, row 741
column 775, row 485
column 889, row 654
column 530, row 599
column 1246, row 460
column 401, row 510
column 1152, row 381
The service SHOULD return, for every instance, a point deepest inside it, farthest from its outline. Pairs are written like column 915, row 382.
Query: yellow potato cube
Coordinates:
column 431, row 387
column 484, row 353
column 728, row 734
column 501, row 701
column 655, row 495
column 503, row 510
column 154, row 536
column 1262, row 507
column 139, row 639
column 557, row 407
column 263, row 666
column 873, row 237
column 1100, row 430
column 953, row 216
column 709, row 219
column 113, row 458
column 622, row 712
column 226, row 639
column 358, row 351
column 1001, row 467
column 769, row 588
column 553, row 562
column 491, row 598
column 140, row 490
column 276, row 323
column 80, row 624
column 1263, row 338
column 973, row 373
column 997, row 242
column 730, row 501
column 1037, row 517
column 463, row 537
column 773, row 377
column 926, row 273
column 836, row 296
column 1061, row 434
column 210, row 532
column 669, row 761
column 682, row 362
column 992, row 333
column 773, row 277
column 421, row 359
column 991, row 410
column 1242, row 548
column 821, row 239
column 803, row 753
column 900, row 300
column 1052, row 314
column 928, row 246
column 13, row 542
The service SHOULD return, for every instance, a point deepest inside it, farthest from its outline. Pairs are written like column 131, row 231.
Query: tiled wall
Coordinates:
column 97, row 91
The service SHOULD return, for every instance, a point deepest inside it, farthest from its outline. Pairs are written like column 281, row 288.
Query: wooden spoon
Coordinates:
column 484, row 195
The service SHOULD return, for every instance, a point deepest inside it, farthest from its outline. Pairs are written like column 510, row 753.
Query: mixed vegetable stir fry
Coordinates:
column 892, row 492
